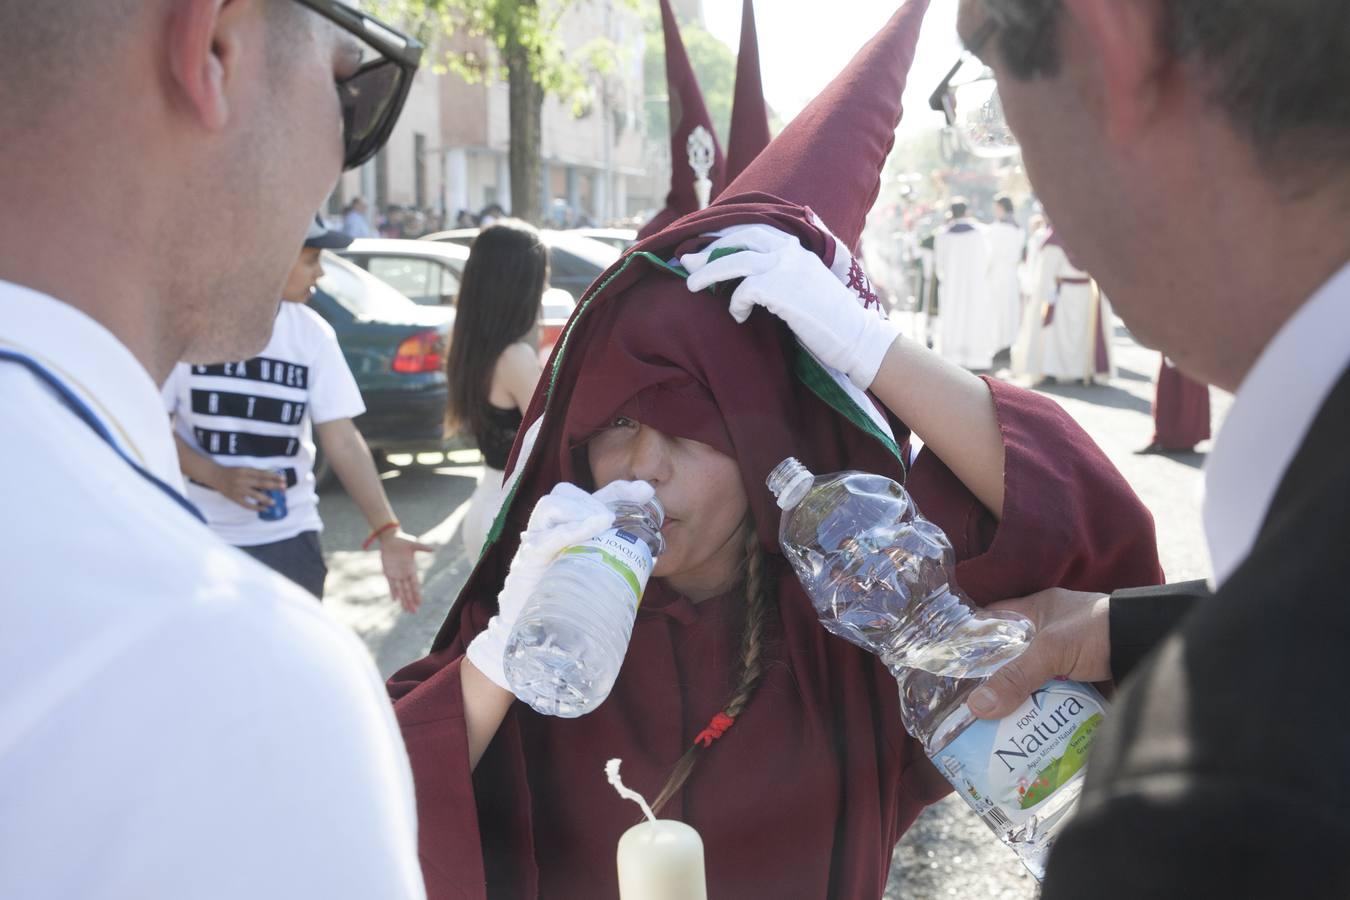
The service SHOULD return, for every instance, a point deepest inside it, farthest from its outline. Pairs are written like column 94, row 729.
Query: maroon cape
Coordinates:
column 1180, row 410
column 808, row 793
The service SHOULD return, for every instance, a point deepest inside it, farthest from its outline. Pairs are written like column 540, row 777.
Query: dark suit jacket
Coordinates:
column 1224, row 768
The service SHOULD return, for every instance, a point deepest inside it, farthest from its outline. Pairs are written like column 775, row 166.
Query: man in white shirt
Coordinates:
column 175, row 719
column 245, row 433
column 1197, row 155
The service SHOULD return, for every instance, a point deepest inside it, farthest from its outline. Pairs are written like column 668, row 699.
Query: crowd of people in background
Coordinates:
column 999, row 295
column 360, row 220
column 995, row 295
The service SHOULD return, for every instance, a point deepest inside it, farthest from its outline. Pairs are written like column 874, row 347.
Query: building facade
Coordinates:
column 449, row 150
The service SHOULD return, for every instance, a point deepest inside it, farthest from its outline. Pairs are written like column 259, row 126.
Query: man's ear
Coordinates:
column 205, row 42
column 1124, row 36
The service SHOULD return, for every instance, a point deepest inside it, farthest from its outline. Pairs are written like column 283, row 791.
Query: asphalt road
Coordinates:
column 948, row 853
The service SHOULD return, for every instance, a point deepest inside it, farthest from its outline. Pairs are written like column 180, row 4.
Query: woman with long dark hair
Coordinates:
column 494, row 359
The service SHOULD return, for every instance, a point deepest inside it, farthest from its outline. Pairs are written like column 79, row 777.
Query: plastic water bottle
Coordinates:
column 569, row 641
column 881, row 576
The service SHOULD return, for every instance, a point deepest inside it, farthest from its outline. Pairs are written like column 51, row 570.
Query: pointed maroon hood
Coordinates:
column 749, row 114
column 687, row 113
column 830, row 157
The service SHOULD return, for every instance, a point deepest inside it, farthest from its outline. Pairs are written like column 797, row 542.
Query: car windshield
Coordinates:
column 362, row 294
column 596, row 253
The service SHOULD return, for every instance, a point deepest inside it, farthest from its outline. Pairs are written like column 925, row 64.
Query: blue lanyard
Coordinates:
column 86, row 415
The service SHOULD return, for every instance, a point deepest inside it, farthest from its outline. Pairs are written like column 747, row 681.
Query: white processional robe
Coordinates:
column 967, row 325
column 1063, row 333
column 1006, row 245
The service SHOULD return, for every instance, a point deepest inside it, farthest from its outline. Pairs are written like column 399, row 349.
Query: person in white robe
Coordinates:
column 1007, row 245
column 967, row 325
column 1063, row 334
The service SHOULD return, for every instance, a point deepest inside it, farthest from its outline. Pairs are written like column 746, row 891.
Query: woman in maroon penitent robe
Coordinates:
column 807, row 792
column 813, row 779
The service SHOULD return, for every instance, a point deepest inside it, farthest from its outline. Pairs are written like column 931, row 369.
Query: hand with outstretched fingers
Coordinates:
column 398, row 552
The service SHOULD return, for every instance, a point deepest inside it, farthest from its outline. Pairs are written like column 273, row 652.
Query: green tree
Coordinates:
column 530, row 58
column 714, row 65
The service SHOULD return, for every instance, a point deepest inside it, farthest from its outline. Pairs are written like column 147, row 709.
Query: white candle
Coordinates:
column 661, row 860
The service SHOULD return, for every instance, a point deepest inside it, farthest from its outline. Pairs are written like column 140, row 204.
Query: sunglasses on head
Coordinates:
column 373, row 97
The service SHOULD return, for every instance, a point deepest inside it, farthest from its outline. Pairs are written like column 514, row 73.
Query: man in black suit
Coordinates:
column 1217, row 135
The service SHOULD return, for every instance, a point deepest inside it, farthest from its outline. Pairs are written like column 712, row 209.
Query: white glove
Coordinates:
column 563, row 518
column 791, row 282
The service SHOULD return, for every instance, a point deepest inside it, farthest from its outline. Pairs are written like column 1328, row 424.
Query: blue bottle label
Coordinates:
column 1005, row 769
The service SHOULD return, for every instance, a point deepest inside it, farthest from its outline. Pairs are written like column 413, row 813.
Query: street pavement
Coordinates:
column 948, row 852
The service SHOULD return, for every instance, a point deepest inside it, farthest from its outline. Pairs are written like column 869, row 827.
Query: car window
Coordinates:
column 596, row 255
column 417, row 279
column 565, row 267
column 359, row 292
column 449, row 282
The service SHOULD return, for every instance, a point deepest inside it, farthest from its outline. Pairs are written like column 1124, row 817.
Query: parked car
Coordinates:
column 396, row 350
column 554, row 311
column 574, row 262
column 426, row 273
column 619, row 238
column 425, row 270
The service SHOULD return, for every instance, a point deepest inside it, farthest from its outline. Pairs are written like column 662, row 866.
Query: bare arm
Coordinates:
column 350, row 457
column 485, row 707
column 951, row 410
column 515, row 377
column 194, row 465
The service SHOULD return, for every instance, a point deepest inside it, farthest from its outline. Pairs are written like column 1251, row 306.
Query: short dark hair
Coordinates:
column 47, row 48
column 1004, row 202
column 958, row 209
column 1277, row 68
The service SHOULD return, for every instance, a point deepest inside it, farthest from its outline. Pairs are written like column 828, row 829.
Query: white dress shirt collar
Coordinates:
column 1269, row 420
column 98, row 368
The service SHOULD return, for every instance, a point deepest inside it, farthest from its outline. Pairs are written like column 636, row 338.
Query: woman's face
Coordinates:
column 701, row 491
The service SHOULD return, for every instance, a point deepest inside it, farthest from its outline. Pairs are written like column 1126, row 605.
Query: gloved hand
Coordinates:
column 794, row 284
column 564, row 517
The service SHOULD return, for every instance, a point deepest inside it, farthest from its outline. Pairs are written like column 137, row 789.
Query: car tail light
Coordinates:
column 423, row 352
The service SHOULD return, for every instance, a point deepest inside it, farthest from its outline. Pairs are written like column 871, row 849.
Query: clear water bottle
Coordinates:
column 568, row 643
column 881, row 576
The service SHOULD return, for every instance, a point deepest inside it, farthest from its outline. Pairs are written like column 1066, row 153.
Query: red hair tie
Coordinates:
column 716, row 728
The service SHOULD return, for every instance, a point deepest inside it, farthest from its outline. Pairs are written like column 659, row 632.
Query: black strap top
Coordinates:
column 498, row 434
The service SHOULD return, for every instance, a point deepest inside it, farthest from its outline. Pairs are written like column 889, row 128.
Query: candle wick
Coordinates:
column 612, row 773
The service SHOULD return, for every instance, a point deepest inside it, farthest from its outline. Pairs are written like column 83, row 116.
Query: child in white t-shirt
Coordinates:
column 246, row 432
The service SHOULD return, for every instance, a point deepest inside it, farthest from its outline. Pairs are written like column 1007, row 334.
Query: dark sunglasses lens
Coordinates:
column 371, row 100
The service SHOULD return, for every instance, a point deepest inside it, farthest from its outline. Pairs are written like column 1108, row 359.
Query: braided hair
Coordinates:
column 758, row 615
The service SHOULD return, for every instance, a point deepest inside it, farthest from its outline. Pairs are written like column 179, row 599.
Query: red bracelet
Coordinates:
column 375, row 535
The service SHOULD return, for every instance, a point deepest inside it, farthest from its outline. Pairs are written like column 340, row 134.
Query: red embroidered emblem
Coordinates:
column 857, row 280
